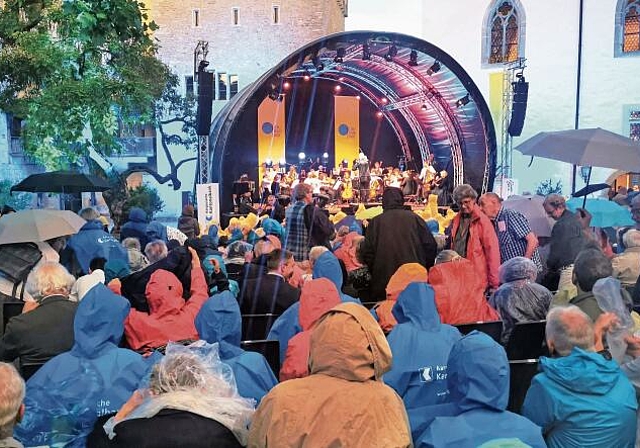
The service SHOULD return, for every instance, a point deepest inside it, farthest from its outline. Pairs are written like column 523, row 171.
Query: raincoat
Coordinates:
column 136, row 227
column 170, row 318
column 343, row 403
column 582, row 400
column 520, row 301
column 347, row 252
column 219, row 321
column 420, row 345
column 460, row 293
column 68, row 394
column 91, row 242
column 318, row 296
column 406, row 274
column 478, row 380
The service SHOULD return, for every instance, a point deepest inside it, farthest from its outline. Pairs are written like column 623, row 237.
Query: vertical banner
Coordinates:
column 208, row 200
column 271, row 130
column 347, row 128
column 496, row 92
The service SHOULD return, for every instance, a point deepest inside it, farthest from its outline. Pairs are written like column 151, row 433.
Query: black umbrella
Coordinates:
column 590, row 189
column 62, row 182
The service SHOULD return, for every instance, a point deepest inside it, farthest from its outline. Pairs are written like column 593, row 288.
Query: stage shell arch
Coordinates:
column 427, row 102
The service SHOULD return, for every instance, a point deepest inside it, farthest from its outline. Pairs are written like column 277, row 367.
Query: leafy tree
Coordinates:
column 19, row 201
column 547, row 187
column 71, row 68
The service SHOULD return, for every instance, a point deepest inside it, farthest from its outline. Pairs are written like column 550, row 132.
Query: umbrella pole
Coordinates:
column 584, row 199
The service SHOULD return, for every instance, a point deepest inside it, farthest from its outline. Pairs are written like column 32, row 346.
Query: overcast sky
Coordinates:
column 403, row 16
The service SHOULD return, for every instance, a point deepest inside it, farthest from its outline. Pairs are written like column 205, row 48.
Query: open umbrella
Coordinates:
column 531, row 207
column 604, row 213
column 590, row 189
column 61, row 182
column 38, row 225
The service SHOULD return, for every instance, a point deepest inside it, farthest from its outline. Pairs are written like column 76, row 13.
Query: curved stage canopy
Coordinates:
column 415, row 100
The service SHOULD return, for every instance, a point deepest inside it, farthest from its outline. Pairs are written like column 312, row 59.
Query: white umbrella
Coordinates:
column 531, row 207
column 38, row 225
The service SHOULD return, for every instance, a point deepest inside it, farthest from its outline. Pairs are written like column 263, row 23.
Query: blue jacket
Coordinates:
column 136, row 227
column 156, row 231
column 582, row 400
column 219, row 321
column 91, row 241
column 478, row 381
column 287, row 325
column 68, row 394
column 420, row 345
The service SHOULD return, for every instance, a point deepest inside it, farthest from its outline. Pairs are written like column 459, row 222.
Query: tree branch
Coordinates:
column 182, row 162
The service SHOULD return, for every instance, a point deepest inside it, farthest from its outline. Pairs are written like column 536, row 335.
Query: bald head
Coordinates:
column 569, row 327
column 490, row 204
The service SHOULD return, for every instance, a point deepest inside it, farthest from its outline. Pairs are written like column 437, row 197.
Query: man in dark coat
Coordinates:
column 396, row 237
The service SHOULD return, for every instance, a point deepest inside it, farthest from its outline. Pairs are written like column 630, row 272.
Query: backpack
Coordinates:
column 17, row 261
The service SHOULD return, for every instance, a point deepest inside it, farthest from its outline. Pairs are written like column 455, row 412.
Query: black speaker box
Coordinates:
column 205, row 103
column 519, row 107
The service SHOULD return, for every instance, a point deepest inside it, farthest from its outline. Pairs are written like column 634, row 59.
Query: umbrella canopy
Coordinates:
column 604, row 213
column 38, row 225
column 62, row 182
column 590, row 189
column 586, row 147
column 531, row 207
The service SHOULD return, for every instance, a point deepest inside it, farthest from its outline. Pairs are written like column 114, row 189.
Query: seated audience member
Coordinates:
column 459, row 291
column 11, row 406
column 235, row 259
column 626, row 266
column 337, row 242
column 326, row 265
column 347, row 252
column 478, row 380
column 219, row 321
column 258, row 264
column 580, row 398
column 47, row 330
column 170, row 318
column 137, row 260
column 216, row 276
column 273, row 227
column 114, row 271
column 318, row 296
column 269, row 293
column 68, row 394
column 345, row 387
column 420, row 345
column 519, row 298
column 86, row 282
column 156, row 251
column 135, row 227
column 191, row 402
column 90, row 242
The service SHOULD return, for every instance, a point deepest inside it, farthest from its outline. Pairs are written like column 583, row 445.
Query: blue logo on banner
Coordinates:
column 267, row 127
column 343, row 129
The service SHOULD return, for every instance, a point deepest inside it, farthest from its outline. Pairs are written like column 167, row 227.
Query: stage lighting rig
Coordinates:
column 435, row 68
column 463, row 101
column 413, row 58
column 366, row 52
column 318, row 64
column 340, row 55
column 391, row 53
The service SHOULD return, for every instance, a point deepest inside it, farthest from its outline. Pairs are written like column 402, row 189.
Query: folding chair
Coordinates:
column 527, row 340
column 522, row 372
column 270, row 349
column 493, row 328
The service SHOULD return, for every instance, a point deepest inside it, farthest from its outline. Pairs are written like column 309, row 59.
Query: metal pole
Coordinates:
column 576, row 121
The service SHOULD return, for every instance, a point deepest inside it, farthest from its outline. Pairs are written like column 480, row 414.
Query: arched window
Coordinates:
column 627, row 27
column 503, row 32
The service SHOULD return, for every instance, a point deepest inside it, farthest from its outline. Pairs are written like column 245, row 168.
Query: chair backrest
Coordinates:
column 27, row 370
column 369, row 305
column 9, row 310
column 522, row 372
column 255, row 327
column 527, row 340
column 493, row 328
column 270, row 349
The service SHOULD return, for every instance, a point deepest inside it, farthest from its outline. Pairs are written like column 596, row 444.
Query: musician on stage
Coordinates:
column 364, row 175
column 272, row 208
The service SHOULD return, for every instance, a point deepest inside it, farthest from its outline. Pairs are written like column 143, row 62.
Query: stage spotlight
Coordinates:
column 424, row 106
column 435, row 68
column 384, row 100
column 345, row 163
column 340, row 55
column 413, row 58
column 463, row 101
column 325, row 155
column 357, row 97
column 366, row 53
column 379, row 114
column 306, row 76
column 286, row 84
column 301, row 156
column 317, row 63
column 391, row 53
column 282, row 162
column 337, row 88
column 268, row 163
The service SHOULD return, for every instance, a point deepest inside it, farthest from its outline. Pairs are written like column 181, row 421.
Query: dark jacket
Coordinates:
column 276, row 212
column 187, row 223
column 40, row 334
column 567, row 240
column 321, row 230
column 91, row 242
column 269, row 293
column 136, row 227
column 394, row 238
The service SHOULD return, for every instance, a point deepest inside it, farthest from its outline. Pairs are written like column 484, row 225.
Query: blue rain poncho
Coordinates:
column 420, row 345
column 68, row 394
column 478, row 380
column 219, row 320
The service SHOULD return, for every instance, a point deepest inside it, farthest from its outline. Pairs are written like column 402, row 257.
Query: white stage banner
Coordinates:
column 505, row 186
column 208, row 199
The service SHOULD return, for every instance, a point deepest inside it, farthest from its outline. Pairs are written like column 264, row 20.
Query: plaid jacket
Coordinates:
column 297, row 235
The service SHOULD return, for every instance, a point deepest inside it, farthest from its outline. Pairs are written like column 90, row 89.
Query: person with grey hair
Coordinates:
column 155, row 251
column 580, row 398
column 12, row 389
column 473, row 236
column 626, row 266
column 47, row 330
column 315, row 253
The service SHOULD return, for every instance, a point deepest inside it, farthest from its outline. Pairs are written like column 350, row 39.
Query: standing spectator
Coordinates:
column 515, row 237
column 136, row 226
column 396, row 237
column 11, row 406
column 626, row 266
column 307, row 225
column 473, row 237
column 187, row 223
column 580, row 399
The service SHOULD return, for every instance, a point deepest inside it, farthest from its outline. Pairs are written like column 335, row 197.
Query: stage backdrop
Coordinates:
column 347, row 128
column 271, row 130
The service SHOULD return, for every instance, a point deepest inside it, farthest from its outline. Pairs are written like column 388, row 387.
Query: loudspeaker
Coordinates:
column 519, row 107
column 205, row 103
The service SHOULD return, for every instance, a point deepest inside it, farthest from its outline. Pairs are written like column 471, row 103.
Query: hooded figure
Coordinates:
column 157, row 231
column 420, row 345
column 460, row 293
column 405, row 275
column 91, row 242
column 170, row 318
column 68, row 394
column 187, row 223
column 318, row 296
column 220, row 321
column 347, row 252
column 582, row 400
column 394, row 238
column 478, row 381
column 136, row 227
column 343, row 402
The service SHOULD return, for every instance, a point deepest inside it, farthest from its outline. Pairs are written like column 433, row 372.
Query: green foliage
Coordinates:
column 72, row 68
column 19, row 201
column 146, row 198
column 547, row 187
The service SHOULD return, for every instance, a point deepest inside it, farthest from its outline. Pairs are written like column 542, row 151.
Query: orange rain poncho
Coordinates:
column 406, row 274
